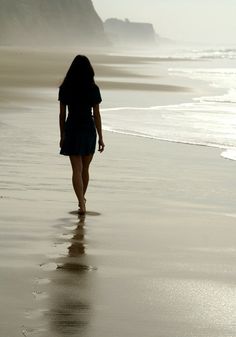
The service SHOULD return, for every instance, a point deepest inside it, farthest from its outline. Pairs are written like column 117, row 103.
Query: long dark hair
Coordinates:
column 80, row 75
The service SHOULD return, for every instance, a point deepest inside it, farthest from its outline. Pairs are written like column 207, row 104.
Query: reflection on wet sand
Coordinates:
column 69, row 317
column 69, row 299
column 76, row 249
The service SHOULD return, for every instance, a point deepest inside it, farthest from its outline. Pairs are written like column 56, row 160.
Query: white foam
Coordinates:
column 229, row 97
column 217, row 77
column 177, row 52
column 229, row 154
column 198, row 123
column 213, row 53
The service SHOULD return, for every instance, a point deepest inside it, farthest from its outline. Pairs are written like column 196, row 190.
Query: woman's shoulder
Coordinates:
column 62, row 94
column 96, row 95
column 95, row 87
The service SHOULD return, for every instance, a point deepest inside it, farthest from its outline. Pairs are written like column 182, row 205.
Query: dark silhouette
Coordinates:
column 79, row 129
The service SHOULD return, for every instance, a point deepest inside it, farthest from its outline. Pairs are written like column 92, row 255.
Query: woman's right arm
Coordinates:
column 62, row 120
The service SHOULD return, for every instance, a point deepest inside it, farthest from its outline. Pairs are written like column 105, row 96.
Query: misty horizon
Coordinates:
column 76, row 23
column 199, row 22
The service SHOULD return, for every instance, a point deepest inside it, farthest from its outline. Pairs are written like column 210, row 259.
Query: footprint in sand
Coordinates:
column 42, row 281
column 39, row 295
column 48, row 266
column 35, row 314
column 28, row 332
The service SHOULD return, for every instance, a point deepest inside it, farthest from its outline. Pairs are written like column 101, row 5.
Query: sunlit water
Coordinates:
column 206, row 120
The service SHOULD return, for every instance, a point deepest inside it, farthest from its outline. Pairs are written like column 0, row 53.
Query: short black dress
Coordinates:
column 80, row 131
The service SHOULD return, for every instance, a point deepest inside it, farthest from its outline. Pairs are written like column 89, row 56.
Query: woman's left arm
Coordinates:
column 98, row 124
column 62, row 120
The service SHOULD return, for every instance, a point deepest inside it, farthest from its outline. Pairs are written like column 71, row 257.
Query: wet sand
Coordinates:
column 153, row 257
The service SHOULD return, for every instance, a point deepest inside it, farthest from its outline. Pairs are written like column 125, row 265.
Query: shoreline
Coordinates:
column 221, row 150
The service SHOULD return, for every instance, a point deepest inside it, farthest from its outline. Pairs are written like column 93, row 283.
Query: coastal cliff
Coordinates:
column 123, row 32
column 50, row 22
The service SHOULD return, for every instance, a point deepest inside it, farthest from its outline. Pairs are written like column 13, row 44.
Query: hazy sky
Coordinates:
column 189, row 20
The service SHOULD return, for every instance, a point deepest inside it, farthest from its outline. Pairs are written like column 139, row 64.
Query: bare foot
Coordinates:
column 82, row 208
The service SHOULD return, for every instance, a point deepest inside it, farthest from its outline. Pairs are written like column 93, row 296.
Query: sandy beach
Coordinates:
column 154, row 255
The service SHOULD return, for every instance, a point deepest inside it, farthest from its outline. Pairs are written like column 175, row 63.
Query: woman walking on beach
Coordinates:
column 82, row 96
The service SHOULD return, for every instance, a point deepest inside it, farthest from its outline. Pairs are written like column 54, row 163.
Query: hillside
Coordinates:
column 50, row 22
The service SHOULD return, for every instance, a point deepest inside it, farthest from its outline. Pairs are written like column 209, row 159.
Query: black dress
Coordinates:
column 80, row 131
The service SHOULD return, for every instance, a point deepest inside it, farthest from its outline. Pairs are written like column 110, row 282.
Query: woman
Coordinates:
column 82, row 96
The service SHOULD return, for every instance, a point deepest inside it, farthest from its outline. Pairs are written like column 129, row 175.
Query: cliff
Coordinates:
column 50, row 22
column 122, row 32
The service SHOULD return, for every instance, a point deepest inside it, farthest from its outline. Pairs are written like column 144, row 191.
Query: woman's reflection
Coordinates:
column 76, row 249
column 70, row 308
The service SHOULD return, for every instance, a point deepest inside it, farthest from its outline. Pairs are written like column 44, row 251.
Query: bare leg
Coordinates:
column 77, row 180
column 86, row 160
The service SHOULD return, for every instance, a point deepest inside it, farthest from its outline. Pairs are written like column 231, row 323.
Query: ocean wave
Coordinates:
column 197, row 123
column 212, row 53
column 227, row 153
column 176, row 52
column 223, row 78
column 199, row 53
column 229, row 97
column 205, row 71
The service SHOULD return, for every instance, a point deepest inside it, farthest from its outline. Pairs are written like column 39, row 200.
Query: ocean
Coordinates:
column 208, row 120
